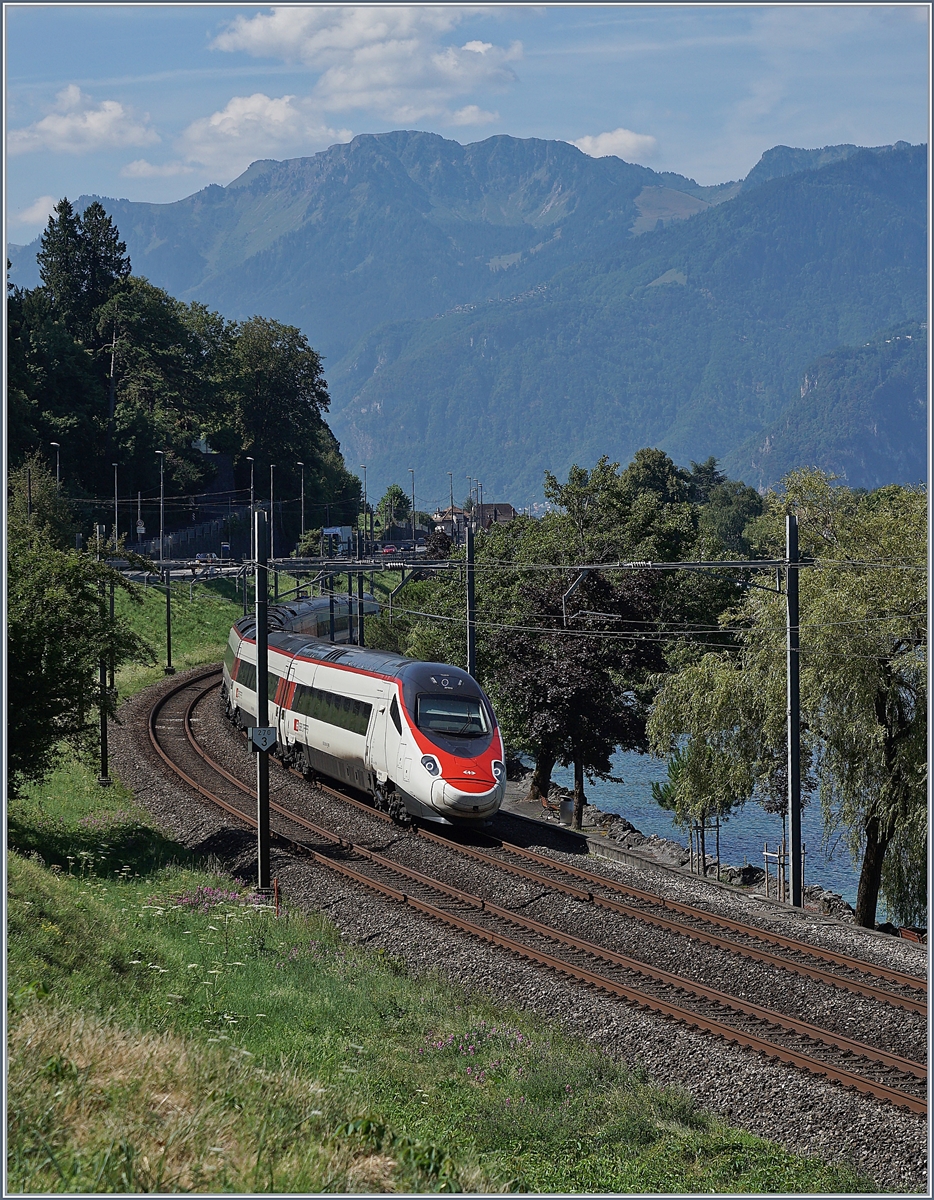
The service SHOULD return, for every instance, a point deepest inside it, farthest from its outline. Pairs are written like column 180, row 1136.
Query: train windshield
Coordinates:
column 454, row 716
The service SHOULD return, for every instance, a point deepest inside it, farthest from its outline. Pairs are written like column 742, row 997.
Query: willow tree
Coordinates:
column 863, row 666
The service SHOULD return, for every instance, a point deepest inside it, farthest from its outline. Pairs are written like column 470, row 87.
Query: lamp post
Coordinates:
column 454, row 538
column 272, row 515
column 161, row 454
column 116, row 510
column 412, row 473
column 363, row 469
column 250, row 460
column 58, row 476
column 302, row 533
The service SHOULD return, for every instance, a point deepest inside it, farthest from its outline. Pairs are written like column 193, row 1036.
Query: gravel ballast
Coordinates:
column 791, row 1108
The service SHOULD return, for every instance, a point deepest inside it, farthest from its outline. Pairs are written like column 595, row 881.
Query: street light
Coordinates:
column 272, row 517
column 302, row 534
column 250, row 461
column 58, row 477
column 161, row 454
column 453, row 523
column 412, row 473
column 363, row 469
column 116, row 509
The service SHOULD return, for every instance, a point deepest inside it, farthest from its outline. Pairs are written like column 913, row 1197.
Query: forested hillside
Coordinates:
column 861, row 415
column 692, row 338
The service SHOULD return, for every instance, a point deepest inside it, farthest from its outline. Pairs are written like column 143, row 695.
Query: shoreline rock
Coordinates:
column 671, row 853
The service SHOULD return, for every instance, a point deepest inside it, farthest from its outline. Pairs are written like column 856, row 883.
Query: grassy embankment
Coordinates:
column 166, row 1034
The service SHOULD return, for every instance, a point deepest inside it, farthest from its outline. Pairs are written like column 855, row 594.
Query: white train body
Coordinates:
column 421, row 735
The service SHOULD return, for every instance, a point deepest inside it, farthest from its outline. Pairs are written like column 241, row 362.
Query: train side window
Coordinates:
column 342, row 711
column 230, row 655
column 394, row 714
column 246, row 675
column 272, row 683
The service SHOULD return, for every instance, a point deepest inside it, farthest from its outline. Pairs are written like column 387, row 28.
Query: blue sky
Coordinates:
column 153, row 102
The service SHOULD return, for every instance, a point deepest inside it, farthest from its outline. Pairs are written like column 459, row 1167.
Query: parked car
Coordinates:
column 204, row 562
column 390, row 550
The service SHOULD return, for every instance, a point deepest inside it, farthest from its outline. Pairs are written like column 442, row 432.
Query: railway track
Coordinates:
column 871, row 1070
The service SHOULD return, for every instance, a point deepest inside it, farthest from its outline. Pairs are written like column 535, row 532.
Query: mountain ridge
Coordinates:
column 602, row 303
column 812, row 262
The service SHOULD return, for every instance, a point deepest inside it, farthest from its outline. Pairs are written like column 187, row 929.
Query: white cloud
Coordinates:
column 622, row 143
column 314, row 34
column 472, row 115
column 75, row 127
column 392, row 61
column 37, row 213
column 403, row 82
column 257, row 126
column 141, row 169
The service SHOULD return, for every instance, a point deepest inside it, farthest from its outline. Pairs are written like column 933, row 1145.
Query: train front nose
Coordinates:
column 463, row 798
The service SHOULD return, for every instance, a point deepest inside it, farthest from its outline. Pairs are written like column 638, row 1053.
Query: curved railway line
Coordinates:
column 855, row 1064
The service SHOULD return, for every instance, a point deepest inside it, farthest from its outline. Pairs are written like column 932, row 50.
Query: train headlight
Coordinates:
column 431, row 764
column 499, row 771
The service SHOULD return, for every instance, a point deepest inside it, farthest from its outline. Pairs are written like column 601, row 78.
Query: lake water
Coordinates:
column 742, row 836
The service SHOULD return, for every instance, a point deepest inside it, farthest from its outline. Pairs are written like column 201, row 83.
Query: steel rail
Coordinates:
column 867, row 990
column 849, row 1079
column 889, row 974
column 817, row 974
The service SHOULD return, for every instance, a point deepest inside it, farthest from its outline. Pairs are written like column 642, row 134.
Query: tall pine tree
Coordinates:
column 82, row 262
column 105, row 264
column 59, row 259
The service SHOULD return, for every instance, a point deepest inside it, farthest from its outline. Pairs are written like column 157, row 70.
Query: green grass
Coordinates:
column 167, row 1034
column 201, row 619
column 202, row 615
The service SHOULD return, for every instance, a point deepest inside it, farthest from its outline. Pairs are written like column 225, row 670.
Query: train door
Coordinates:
column 398, row 747
column 375, row 734
column 285, row 728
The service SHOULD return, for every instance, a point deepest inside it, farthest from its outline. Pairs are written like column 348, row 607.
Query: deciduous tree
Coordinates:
column 863, row 705
column 58, row 629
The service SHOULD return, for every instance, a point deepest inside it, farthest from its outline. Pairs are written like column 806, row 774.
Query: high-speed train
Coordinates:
column 419, row 737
